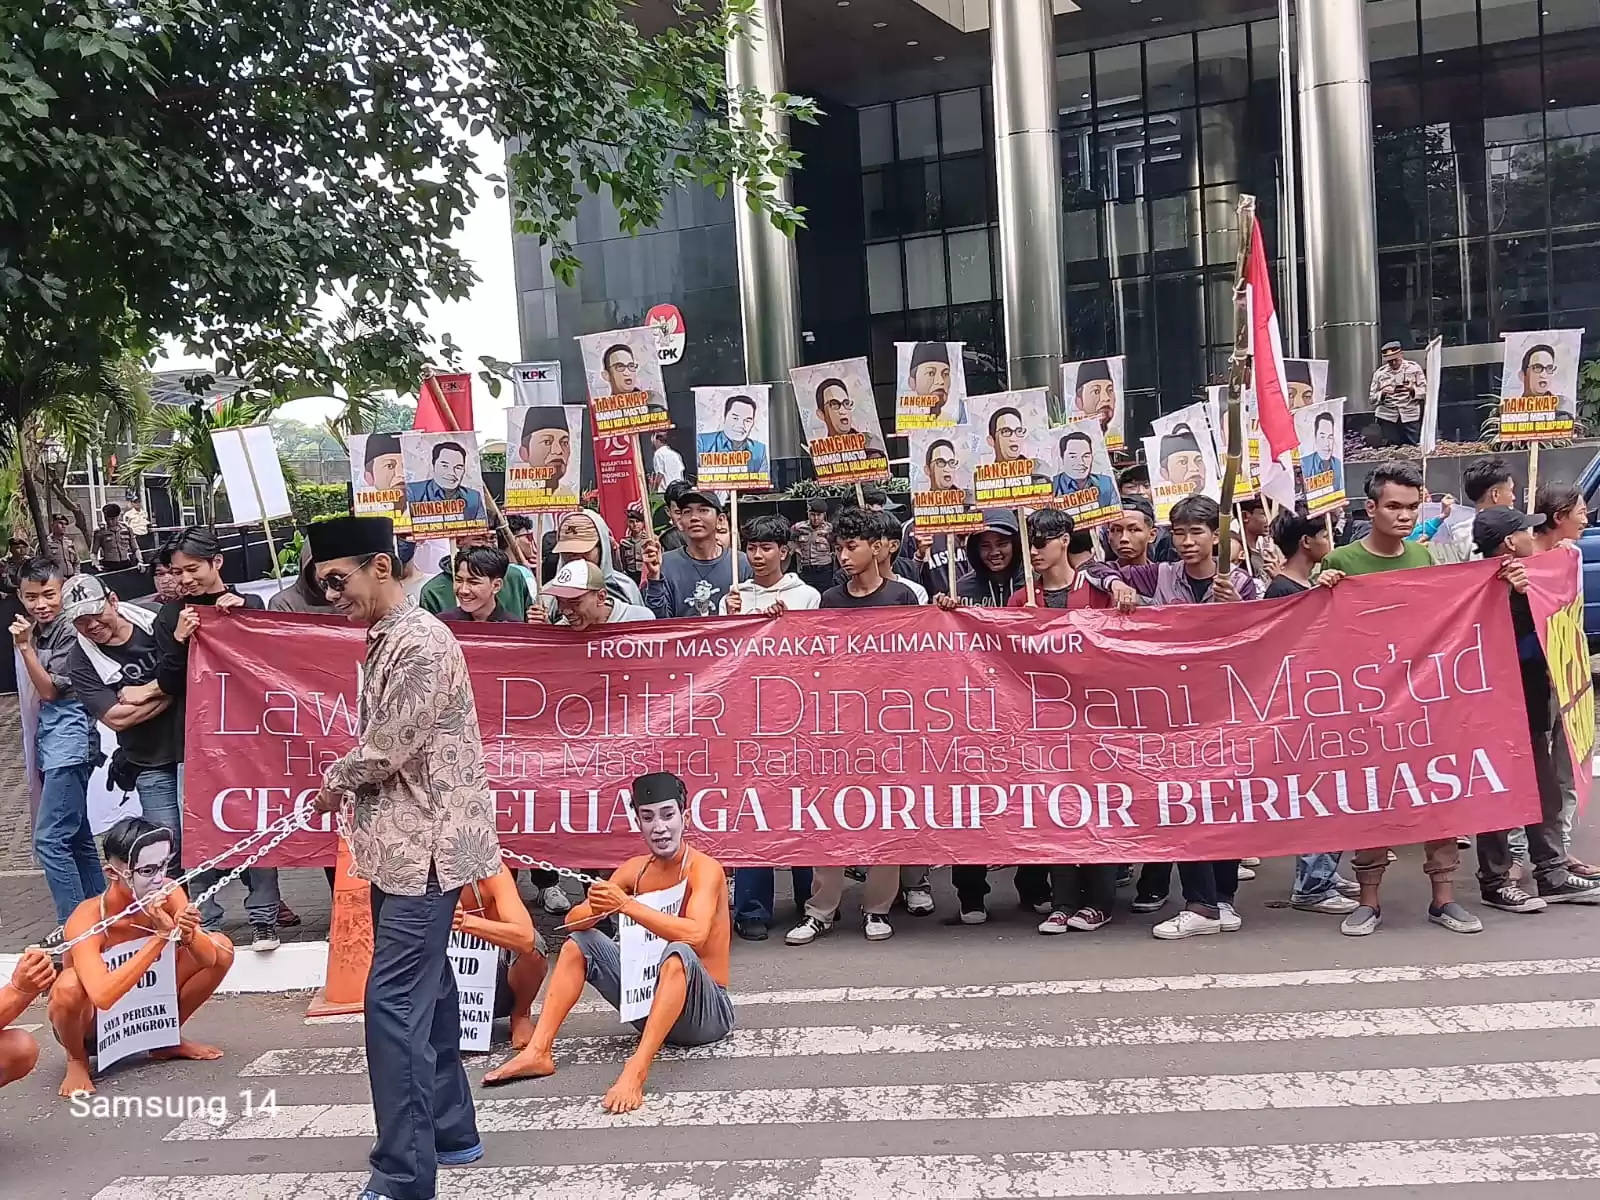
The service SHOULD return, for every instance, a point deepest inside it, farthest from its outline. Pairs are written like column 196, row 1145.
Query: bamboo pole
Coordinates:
column 1027, row 559
column 1533, row 474
column 498, row 517
column 733, row 537
column 1238, row 375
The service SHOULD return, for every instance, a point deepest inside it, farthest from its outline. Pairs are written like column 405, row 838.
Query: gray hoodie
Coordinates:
column 618, row 584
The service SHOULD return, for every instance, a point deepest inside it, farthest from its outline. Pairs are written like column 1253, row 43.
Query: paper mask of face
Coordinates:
column 149, row 869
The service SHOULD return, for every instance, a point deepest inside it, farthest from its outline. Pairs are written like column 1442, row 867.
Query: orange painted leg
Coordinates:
column 195, row 986
column 526, row 976
column 72, row 1021
column 672, row 988
column 19, row 1054
column 566, row 985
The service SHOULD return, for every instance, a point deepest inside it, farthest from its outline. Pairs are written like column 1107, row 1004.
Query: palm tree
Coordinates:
column 176, row 441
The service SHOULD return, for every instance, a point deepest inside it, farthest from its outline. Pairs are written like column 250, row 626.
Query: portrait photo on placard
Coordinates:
column 544, row 451
column 622, row 370
column 1249, row 482
column 1539, row 385
column 1320, row 432
column 942, row 464
column 378, row 478
column 1013, row 437
column 444, row 482
column 839, row 416
column 732, row 438
column 1305, row 381
column 1182, row 458
column 1093, row 387
column 1084, row 485
column 931, row 385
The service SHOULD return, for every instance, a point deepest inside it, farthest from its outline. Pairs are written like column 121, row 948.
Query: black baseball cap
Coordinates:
column 696, row 496
column 1492, row 526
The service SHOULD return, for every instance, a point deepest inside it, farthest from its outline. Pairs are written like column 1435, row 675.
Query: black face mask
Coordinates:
column 405, row 550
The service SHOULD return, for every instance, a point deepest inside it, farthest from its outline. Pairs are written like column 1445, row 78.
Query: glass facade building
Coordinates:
column 1486, row 134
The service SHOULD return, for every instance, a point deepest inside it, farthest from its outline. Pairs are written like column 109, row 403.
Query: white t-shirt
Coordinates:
column 669, row 464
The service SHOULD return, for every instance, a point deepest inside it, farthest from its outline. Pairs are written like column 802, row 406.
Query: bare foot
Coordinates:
column 530, row 1064
column 521, row 1030
column 196, row 1051
column 626, row 1094
column 77, row 1080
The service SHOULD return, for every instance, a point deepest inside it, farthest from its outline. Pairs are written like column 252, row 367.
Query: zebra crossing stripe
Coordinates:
column 1188, row 1170
column 1046, row 1099
column 824, row 1040
column 1341, row 977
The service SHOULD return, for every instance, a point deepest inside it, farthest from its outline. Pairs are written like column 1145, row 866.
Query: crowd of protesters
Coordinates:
column 92, row 658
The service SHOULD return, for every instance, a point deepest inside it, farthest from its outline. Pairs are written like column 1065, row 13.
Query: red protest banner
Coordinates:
column 1375, row 713
column 1555, row 598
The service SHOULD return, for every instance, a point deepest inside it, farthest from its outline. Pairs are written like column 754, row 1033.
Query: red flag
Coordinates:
column 617, row 478
column 457, row 391
column 1266, row 353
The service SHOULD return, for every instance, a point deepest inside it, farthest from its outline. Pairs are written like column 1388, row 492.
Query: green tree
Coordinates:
column 207, row 170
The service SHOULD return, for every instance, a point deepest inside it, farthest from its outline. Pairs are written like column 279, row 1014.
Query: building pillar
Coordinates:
column 1028, row 163
column 1340, row 230
column 769, row 289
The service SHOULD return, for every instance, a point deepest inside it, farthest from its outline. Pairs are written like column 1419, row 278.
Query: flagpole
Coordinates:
column 1288, row 217
column 1238, row 376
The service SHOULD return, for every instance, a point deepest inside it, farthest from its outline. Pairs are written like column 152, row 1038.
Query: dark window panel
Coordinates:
column 1403, row 296
column 1570, row 78
column 1264, row 50
column 1128, row 238
column 1510, row 21
column 1512, row 82
column 1224, row 133
column 1575, row 270
column 1451, row 87
column 928, row 325
column 917, row 190
column 1573, row 166
column 877, row 135
column 1083, row 246
column 964, row 191
column 880, row 204
column 1119, row 153
column 1090, row 324
column 1175, row 232
column 1173, row 156
column 1401, row 191
column 1180, row 322
column 1517, row 195
column 916, row 129
column 1223, row 64
column 1133, row 322
column 1074, row 91
column 1521, row 272
column 1448, row 25
column 1391, row 30
column 1118, row 83
column 961, row 121
column 1169, row 73
column 1222, row 225
column 886, row 330
column 978, row 326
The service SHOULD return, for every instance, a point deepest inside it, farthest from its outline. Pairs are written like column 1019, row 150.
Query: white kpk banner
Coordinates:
column 642, row 952
column 477, row 967
column 146, row 1018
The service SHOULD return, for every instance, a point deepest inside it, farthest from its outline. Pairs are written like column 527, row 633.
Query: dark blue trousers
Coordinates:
column 420, row 1096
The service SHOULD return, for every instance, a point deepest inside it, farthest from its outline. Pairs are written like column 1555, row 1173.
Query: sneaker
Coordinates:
column 264, row 938
column 289, row 919
column 1576, row 890
column 1056, row 922
column 1510, row 898
column 877, row 927
column 1332, row 903
column 750, row 930
column 1246, row 873
column 460, row 1158
column 1186, row 924
column 969, row 916
column 1124, row 877
column 1462, row 843
column 1582, row 869
column 1454, row 918
column 1249, row 862
column 808, row 931
column 856, row 874
column 1087, row 920
column 1364, row 920
column 1390, row 856
column 556, row 901
column 1346, row 887
column 919, row 901
column 1232, row 922
column 1149, row 904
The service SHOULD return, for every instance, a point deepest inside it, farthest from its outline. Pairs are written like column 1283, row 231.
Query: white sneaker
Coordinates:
column 808, row 931
column 1346, row 887
column 877, row 927
column 1332, row 903
column 1246, row 873
column 1249, row 862
column 1186, row 924
column 556, row 901
column 919, row 901
column 1231, row 921
column 1056, row 922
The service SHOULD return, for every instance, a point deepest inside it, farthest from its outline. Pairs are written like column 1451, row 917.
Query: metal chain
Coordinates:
column 539, row 863
column 282, row 828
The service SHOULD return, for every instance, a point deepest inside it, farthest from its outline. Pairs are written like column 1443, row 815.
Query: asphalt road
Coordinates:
column 952, row 1063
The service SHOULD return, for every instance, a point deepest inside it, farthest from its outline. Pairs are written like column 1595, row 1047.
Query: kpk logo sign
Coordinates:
column 667, row 321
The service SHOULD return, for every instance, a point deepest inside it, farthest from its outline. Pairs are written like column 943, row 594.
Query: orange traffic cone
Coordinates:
column 349, row 943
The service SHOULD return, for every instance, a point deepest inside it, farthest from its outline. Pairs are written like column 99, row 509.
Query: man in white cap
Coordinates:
column 582, row 600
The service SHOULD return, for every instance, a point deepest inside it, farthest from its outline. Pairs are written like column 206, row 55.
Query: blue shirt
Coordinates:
column 1316, row 464
column 431, row 491
column 720, row 443
column 66, row 734
column 1065, row 485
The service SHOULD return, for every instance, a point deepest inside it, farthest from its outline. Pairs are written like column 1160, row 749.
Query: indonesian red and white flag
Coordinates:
column 1266, row 353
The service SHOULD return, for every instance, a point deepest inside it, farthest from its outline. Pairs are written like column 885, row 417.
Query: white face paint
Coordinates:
column 148, row 872
column 662, row 827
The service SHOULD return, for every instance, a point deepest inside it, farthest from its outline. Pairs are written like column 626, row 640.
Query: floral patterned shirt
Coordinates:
column 421, row 793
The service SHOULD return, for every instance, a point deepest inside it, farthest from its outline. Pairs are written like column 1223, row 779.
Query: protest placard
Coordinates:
column 1093, row 388
column 544, row 449
column 840, row 417
column 622, row 369
column 1083, row 485
column 641, row 952
column 1011, row 432
column 476, row 964
column 378, row 478
column 444, row 483
column 942, row 496
column 1539, row 385
column 146, row 1018
column 1320, row 428
column 732, row 437
column 931, row 388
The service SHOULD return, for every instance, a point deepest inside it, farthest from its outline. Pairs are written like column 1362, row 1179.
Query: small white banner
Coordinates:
column 476, row 964
column 146, row 1018
column 642, row 952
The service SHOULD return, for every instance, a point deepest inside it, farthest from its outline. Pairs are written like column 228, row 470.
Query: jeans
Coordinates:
column 1545, row 845
column 62, row 842
column 1090, row 886
column 754, row 892
column 260, row 901
column 420, row 1098
column 160, row 792
column 707, row 1014
column 1315, row 877
column 1208, row 884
